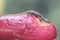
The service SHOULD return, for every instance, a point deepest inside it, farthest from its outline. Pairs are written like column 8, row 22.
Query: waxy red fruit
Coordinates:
column 29, row 25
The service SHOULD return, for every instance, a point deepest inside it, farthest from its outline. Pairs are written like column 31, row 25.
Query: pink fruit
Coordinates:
column 29, row 25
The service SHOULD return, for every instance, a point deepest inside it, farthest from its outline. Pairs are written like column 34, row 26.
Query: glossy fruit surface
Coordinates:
column 26, row 26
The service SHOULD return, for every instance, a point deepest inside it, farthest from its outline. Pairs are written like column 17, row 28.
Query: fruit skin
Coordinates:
column 26, row 26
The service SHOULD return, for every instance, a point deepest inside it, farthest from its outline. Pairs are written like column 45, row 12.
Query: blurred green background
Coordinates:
column 50, row 9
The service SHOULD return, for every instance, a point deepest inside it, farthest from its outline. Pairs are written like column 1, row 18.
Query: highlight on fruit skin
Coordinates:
column 28, row 25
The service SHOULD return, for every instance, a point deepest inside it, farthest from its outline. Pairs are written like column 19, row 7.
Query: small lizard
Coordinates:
column 38, row 15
